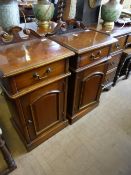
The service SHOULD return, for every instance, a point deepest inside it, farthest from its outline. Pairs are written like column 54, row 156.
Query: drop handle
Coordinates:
column 98, row 53
column 95, row 56
column 92, row 56
column 48, row 70
column 38, row 77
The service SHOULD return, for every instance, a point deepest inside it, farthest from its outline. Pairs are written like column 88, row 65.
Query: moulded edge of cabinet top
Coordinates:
column 115, row 32
column 24, row 56
column 83, row 41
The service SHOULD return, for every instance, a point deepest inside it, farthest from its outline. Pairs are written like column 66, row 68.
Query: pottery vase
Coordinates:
column 9, row 14
column 43, row 11
column 111, row 11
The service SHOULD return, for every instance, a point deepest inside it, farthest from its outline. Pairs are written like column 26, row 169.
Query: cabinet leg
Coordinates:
column 115, row 80
column 118, row 73
column 7, row 156
column 128, row 69
column 127, row 75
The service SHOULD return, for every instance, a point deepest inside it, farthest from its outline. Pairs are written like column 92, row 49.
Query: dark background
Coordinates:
column 83, row 12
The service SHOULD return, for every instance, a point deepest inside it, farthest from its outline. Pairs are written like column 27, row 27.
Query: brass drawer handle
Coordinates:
column 38, row 77
column 98, row 53
column 48, row 70
column 94, row 57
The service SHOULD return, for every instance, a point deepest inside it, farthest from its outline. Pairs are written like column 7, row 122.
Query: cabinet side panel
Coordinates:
column 17, row 118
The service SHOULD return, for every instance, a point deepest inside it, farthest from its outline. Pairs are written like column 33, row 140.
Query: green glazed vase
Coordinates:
column 9, row 14
column 43, row 11
column 111, row 11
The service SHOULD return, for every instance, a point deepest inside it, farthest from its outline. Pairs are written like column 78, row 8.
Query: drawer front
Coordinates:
column 128, row 40
column 119, row 45
column 109, row 77
column 40, row 74
column 114, row 61
column 93, row 56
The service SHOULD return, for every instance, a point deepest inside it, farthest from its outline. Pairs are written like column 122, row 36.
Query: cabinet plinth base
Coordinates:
column 43, row 137
column 80, row 114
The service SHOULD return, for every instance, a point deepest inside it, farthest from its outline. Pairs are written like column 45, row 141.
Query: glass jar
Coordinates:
column 9, row 14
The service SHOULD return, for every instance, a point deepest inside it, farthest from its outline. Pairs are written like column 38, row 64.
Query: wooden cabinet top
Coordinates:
column 20, row 57
column 83, row 41
column 116, row 32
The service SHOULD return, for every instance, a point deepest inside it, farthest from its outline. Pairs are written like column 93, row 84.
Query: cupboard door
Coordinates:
column 44, row 108
column 90, row 85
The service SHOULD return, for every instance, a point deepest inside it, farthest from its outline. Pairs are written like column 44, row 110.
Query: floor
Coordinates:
column 97, row 144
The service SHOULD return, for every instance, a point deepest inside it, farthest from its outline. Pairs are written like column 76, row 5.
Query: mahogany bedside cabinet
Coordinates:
column 116, row 60
column 33, row 77
column 88, row 68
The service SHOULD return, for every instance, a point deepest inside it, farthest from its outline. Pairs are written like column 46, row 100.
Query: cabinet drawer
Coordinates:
column 92, row 56
column 39, row 74
column 114, row 61
column 119, row 45
column 109, row 77
column 128, row 40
